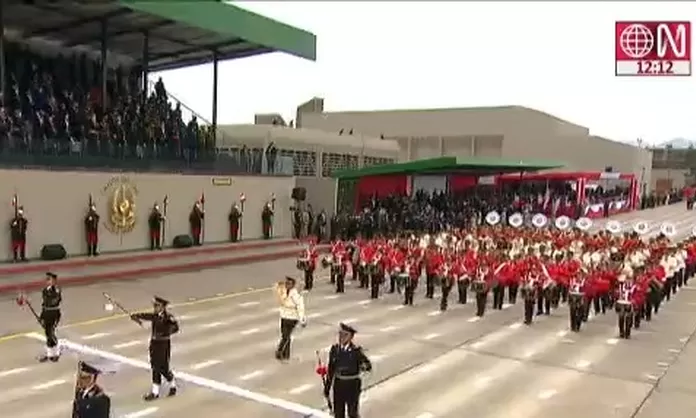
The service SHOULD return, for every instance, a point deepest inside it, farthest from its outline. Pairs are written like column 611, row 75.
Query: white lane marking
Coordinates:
column 426, row 415
column 568, row 341
column 331, row 297
column 662, row 364
column 204, row 364
column 349, row 320
column 435, row 313
column 562, row 333
column 365, row 302
column 474, row 319
column 507, row 305
column 300, row 389
column 389, row 328
column 212, row 325
column 248, row 304
column 272, row 310
column 49, row 384
column 397, row 308
column 215, row 385
column 315, row 315
column 186, row 317
column 547, row 394
column 482, row 381
column 613, row 341
column 142, row 413
column 674, row 350
column 431, row 336
column 95, row 336
column 250, row 331
column 131, row 343
column 582, row 364
column 12, row 372
column 516, row 325
column 252, row 375
column 651, row 376
column 376, row 358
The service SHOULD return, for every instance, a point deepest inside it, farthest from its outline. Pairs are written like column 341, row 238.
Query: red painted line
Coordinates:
column 150, row 271
column 139, row 273
column 134, row 258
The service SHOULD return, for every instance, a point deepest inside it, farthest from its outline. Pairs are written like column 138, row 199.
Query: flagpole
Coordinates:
column 203, row 217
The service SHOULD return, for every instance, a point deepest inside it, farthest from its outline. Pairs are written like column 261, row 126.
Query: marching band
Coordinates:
column 549, row 263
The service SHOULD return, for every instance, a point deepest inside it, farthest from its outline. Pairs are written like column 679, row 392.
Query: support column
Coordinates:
column 3, row 72
column 215, row 91
column 145, row 61
column 105, row 64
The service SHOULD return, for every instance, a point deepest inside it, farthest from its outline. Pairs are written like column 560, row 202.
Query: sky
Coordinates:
column 555, row 57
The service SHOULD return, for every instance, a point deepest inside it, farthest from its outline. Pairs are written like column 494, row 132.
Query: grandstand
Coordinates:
column 62, row 108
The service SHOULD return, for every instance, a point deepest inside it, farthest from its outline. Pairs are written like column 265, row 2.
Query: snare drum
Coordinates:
column 478, row 286
column 624, row 307
column 302, row 264
column 528, row 292
column 575, row 298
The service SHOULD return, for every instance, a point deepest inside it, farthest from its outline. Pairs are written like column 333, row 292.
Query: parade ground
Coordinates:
column 427, row 364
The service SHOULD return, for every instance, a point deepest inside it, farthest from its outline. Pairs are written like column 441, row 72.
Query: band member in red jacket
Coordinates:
column 377, row 271
column 367, row 252
column 411, row 266
column 307, row 262
column 446, row 273
column 433, row 261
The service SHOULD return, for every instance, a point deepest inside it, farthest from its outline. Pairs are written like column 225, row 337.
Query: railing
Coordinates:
column 151, row 158
column 187, row 113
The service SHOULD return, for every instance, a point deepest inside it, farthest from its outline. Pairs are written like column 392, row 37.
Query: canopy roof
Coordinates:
column 568, row 176
column 445, row 165
column 180, row 33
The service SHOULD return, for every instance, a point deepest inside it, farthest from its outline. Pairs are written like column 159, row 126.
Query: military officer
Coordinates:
column 164, row 325
column 18, row 233
column 50, row 317
column 234, row 219
column 154, row 222
column 92, row 230
column 196, row 219
column 90, row 400
column 267, row 221
column 346, row 362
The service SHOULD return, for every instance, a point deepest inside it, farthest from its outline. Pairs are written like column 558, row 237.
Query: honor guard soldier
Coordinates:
column 234, row 219
column 164, row 325
column 18, row 234
column 267, row 221
column 92, row 230
column 196, row 222
column 50, row 317
column 346, row 362
column 90, row 400
column 155, row 223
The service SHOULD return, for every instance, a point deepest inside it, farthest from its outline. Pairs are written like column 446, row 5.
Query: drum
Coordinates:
column 624, row 307
column 338, row 268
column 527, row 292
column 402, row 280
column 575, row 298
column 478, row 286
column 302, row 264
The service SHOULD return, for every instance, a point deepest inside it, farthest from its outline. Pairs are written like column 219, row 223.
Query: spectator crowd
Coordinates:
column 56, row 107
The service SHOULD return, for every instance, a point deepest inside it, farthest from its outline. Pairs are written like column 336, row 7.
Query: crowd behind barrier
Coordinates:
column 425, row 212
column 55, row 114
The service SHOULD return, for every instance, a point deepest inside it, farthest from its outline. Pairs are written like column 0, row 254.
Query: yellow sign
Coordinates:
column 222, row 181
column 121, row 194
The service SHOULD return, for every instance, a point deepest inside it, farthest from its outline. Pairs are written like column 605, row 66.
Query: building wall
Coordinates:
column 55, row 204
column 667, row 178
column 510, row 132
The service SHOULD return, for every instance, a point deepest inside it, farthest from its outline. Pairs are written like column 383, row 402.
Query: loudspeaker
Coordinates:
column 53, row 252
column 299, row 194
column 182, row 241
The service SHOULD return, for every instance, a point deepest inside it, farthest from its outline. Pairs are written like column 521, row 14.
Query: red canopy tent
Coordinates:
column 581, row 179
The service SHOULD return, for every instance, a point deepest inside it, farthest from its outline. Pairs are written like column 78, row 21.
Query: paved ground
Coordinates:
column 427, row 364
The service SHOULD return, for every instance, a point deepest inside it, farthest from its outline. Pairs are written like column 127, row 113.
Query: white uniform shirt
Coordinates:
column 292, row 306
column 681, row 258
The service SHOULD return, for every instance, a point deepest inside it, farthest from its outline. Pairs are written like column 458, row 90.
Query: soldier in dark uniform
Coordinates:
column 50, row 317
column 18, row 234
column 234, row 219
column 346, row 362
column 92, row 230
column 154, row 222
column 321, row 226
column 196, row 222
column 266, row 221
column 297, row 223
column 164, row 325
column 90, row 400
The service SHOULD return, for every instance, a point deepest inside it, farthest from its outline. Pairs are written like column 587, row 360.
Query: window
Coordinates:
column 304, row 162
column 332, row 162
column 372, row 161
